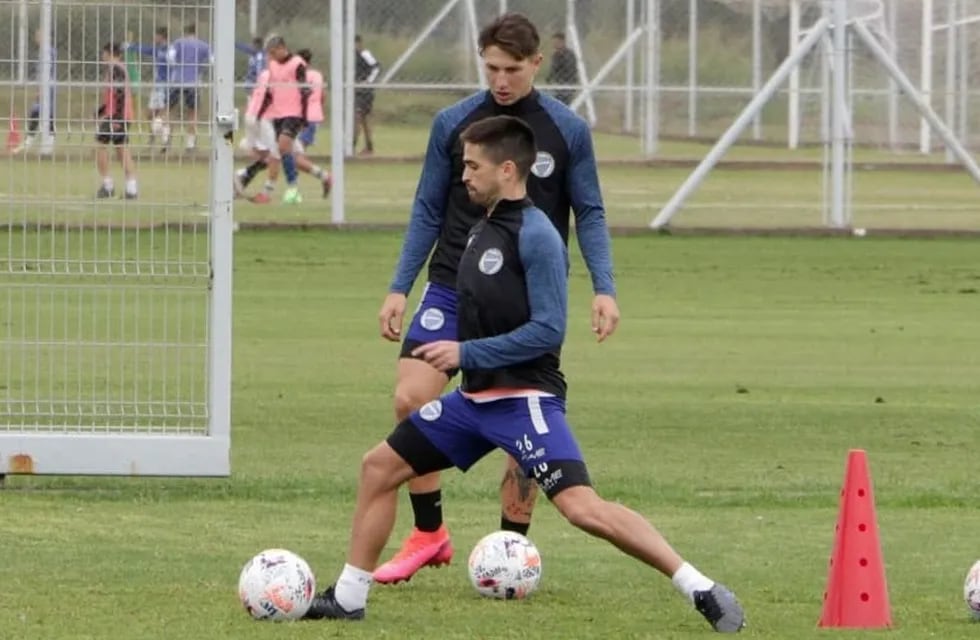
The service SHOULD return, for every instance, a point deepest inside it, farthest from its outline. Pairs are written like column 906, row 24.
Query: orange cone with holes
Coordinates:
column 857, row 593
column 14, row 137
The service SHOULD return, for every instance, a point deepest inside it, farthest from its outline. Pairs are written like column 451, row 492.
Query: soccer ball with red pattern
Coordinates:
column 276, row 585
column 505, row 565
column 971, row 590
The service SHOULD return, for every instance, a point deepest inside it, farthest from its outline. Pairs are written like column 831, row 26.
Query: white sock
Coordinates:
column 191, row 141
column 131, row 187
column 352, row 588
column 107, row 184
column 166, row 133
column 687, row 580
column 318, row 172
column 270, row 186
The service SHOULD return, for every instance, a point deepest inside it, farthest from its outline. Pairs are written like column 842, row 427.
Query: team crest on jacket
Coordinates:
column 491, row 261
column 544, row 164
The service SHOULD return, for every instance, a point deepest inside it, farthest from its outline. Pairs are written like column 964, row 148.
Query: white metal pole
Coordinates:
column 630, row 100
column 575, row 43
column 221, row 232
column 338, row 53
column 793, row 135
column 624, row 47
column 350, row 31
column 651, row 111
column 473, row 30
column 692, row 69
column 951, row 58
column 731, row 134
column 253, row 17
column 925, row 109
column 926, row 72
column 503, row 7
column 756, row 63
column 837, row 116
column 45, row 79
column 964, row 88
column 893, row 132
column 22, row 36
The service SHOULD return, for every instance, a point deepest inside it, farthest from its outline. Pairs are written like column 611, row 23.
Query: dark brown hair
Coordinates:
column 513, row 33
column 504, row 138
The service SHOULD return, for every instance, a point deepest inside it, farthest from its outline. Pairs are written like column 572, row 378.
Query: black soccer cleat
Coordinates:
column 326, row 607
column 720, row 608
column 104, row 193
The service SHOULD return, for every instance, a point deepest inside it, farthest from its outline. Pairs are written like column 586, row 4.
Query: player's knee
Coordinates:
column 408, row 400
column 378, row 468
column 582, row 509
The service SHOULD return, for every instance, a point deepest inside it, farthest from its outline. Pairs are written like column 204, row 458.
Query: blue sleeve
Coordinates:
column 590, row 213
column 545, row 261
column 246, row 48
column 143, row 49
column 428, row 208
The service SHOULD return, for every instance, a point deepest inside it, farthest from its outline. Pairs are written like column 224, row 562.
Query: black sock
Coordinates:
column 252, row 170
column 428, row 510
column 516, row 527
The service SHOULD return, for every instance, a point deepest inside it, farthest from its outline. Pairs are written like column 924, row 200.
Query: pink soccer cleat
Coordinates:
column 261, row 198
column 420, row 549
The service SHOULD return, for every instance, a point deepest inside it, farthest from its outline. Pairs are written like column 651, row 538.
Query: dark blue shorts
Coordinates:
column 434, row 319
column 532, row 430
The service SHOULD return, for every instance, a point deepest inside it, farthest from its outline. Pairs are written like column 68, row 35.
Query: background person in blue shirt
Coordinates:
column 159, row 96
column 256, row 62
column 34, row 115
column 189, row 58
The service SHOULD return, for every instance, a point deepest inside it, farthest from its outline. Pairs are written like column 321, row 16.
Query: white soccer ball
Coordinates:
column 505, row 565
column 157, row 126
column 276, row 585
column 971, row 590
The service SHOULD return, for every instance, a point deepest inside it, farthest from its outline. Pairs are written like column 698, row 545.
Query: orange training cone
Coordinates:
column 857, row 594
column 13, row 133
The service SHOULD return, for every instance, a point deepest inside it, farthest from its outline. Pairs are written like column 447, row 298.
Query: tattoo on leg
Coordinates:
column 521, row 508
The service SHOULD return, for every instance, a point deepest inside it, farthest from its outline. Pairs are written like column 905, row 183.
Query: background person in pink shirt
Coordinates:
column 314, row 117
column 260, row 139
column 287, row 104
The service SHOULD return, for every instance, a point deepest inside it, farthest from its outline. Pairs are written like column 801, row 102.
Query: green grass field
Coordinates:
column 744, row 370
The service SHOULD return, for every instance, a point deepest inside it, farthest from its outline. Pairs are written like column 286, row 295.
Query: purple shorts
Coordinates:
column 434, row 319
column 532, row 430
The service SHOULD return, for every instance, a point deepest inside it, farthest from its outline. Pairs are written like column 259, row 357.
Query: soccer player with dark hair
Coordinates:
column 563, row 178
column 115, row 115
column 513, row 303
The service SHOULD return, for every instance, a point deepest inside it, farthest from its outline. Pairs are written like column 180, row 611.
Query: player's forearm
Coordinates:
column 527, row 342
column 593, row 240
column 421, row 236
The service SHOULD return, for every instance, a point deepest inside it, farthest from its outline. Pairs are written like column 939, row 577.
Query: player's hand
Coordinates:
column 442, row 354
column 391, row 315
column 605, row 316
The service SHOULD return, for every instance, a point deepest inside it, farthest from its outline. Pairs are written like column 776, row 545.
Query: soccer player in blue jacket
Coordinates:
column 159, row 97
column 513, row 302
column 563, row 178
